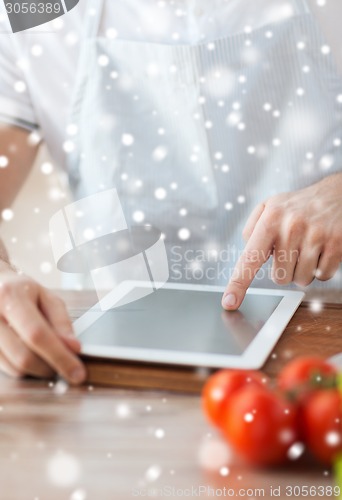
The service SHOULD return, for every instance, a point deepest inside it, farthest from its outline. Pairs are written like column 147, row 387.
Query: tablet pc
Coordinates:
column 183, row 324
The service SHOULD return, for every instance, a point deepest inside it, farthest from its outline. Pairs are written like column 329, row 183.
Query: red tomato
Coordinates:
column 305, row 374
column 260, row 425
column 321, row 421
column 221, row 385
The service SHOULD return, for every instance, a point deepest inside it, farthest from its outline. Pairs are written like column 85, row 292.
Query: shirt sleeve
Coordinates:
column 15, row 103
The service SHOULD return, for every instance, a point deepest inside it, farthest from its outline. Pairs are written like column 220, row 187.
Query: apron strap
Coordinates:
column 93, row 18
column 303, row 6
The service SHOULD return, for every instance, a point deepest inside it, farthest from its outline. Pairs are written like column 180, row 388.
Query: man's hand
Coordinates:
column 35, row 331
column 303, row 233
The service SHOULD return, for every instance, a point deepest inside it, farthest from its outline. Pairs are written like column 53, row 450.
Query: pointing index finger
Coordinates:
column 257, row 251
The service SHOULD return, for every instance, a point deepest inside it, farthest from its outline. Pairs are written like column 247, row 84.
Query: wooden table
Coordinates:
column 104, row 443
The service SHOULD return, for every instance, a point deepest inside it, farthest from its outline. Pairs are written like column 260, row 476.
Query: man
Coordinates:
column 195, row 113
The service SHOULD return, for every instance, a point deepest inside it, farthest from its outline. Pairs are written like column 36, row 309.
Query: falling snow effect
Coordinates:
column 153, row 473
column 7, row 214
column 333, row 438
column 316, row 306
column 226, row 103
column 78, row 494
column 60, row 387
column 123, row 411
column 227, row 98
column 295, row 451
column 159, row 433
column 3, row 161
column 63, row 469
column 213, row 454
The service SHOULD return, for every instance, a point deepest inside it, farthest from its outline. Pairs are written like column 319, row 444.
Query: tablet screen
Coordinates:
column 182, row 320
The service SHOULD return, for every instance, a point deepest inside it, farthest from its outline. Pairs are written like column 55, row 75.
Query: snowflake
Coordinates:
column 152, row 70
column 184, row 234
column 159, row 433
column 46, row 168
column 213, row 454
column 103, row 60
column 7, row 214
column 224, row 471
column 68, row 146
column 72, row 129
column 78, row 494
column 138, row 216
column 234, row 118
column 46, row 267
column 20, row 87
column 63, row 469
column 316, row 306
column 160, row 193
column 111, row 33
column 60, row 387
column 123, row 410
column 153, row 473
column 326, row 162
column 36, row 50
column 3, row 161
column 333, row 438
column 248, row 417
column 295, row 451
column 159, row 153
column 127, row 139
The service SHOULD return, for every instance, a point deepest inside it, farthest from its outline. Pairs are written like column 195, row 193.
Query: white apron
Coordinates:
column 194, row 136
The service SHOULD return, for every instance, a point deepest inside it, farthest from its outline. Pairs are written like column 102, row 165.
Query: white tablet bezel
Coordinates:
column 252, row 358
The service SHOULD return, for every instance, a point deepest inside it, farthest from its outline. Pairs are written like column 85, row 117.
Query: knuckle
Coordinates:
column 331, row 251
column 296, row 225
column 273, row 214
column 237, row 282
column 317, row 235
column 35, row 335
column 336, row 241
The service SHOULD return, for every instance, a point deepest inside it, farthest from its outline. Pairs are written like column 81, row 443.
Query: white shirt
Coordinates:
column 38, row 66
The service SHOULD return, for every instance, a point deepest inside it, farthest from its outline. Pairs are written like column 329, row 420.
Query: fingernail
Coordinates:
column 229, row 300
column 78, row 375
